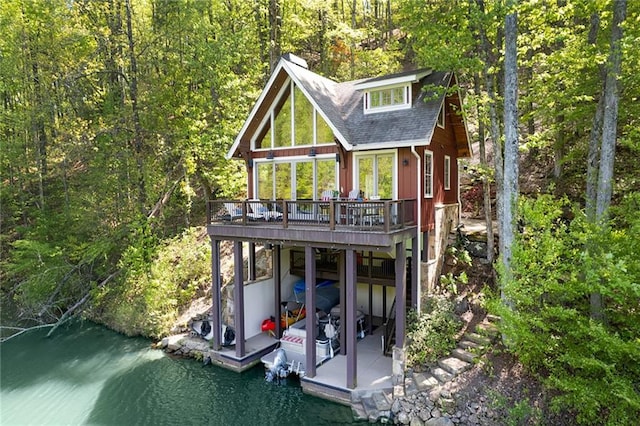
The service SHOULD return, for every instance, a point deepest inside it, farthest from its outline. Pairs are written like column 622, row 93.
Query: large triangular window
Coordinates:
column 293, row 121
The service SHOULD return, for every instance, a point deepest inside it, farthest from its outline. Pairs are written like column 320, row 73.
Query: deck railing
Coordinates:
column 335, row 214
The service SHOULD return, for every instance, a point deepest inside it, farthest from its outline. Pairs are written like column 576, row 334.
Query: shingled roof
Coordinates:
column 341, row 105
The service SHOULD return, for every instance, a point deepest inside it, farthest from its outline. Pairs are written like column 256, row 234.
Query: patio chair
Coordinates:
column 326, row 195
column 259, row 210
column 354, row 210
column 234, row 211
column 323, row 214
column 354, row 194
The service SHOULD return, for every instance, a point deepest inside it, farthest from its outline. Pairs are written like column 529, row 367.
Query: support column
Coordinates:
column 398, row 363
column 310, row 304
column 351, row 285
column 415, row 273
column 401, row 293
column 342, row 278
column 277, row 290
column 238, row 298
column 216, row 284
column 252, row 261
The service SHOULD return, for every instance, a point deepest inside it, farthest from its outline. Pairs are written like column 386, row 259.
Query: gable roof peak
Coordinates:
column 290, row 57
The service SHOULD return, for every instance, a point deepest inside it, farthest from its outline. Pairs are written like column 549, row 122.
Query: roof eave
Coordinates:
column 256, row 106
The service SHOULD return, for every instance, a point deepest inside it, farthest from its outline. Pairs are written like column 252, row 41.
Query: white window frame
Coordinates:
column 394, row 174
column 395, row 104
column 447, row 172
column 292, row 161
column 270, row 119
column 428, row 174
column 441, row 117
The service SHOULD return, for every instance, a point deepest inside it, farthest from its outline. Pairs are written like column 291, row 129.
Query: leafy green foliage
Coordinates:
column 431, row 334
column 161, row 280
column 557, row 264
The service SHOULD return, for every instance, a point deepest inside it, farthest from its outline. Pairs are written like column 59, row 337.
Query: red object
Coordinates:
column 268, row 325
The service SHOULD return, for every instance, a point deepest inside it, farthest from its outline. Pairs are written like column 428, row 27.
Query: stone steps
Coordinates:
column 454, row 365
column 376, row 407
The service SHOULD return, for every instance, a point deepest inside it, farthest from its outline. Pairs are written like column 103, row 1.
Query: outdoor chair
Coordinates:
column 260, row 210
column 233, row 211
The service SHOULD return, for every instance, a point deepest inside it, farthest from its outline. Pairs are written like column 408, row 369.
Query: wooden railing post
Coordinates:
column 285, row 214
column 332, row 216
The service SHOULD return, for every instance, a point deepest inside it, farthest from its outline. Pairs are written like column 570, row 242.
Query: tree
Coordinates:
column 511, row 155
column 609, row 135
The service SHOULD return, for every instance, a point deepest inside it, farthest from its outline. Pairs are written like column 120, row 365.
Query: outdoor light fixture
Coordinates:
column 270, row 155
column 337, row 157
column 250, row 163
column 405, row 161
column 312, row 152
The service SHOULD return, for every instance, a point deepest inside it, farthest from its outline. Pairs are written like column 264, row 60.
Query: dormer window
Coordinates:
column 383, row 94
column 387, row 99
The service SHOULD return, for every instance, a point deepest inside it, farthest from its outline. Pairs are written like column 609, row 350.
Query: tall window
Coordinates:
column 447, row 172
column 428, row 174
column 293, row 121
column 298, row 179
column 303, row 116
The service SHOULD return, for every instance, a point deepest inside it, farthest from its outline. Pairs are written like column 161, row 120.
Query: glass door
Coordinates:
column 376, row 175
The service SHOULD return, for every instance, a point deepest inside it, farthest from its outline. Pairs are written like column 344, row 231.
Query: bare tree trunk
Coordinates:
column 510, row 188
column 353, row 43
column 593, row 157
column 137, row 136
column 496, row 137
column 275, row 20
column 610, row 117
column 609, row 133
column 558, row 147
column 486, row 182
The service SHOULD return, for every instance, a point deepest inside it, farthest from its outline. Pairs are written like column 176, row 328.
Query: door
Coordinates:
column 375, row 174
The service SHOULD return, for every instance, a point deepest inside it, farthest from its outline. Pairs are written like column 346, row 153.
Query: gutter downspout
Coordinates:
column 419, row 233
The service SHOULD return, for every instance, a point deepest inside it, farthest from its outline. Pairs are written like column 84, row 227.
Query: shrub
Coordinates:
column 546, row 319
column 431, row 335
column 160, row 280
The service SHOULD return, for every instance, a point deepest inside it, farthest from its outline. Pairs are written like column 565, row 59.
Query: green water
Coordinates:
column 86, row 374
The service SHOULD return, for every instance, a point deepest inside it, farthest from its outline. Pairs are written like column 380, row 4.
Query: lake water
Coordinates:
column 87, row 374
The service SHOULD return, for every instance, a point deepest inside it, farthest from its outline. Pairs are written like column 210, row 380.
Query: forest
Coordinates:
column 116, row 116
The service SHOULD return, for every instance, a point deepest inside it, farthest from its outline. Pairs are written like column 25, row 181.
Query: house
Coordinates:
column 355, row 183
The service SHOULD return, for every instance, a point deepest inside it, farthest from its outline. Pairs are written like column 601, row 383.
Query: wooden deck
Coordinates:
column 300, row 224
column 374, row 369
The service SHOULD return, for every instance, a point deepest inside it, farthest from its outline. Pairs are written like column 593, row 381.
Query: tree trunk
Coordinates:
column 609, row 132
column 137, row 135
column 593, row 156
column 496, row 137
column 510, row 187
column 558, row 147
column 275, row 20
column 486, row 182
column 610, row 117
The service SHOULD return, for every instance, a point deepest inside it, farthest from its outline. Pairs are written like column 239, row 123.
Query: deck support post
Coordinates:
column 252, row 261
column 401, row 314
column 238, row 298
column 343, row 299
column 351, row 272
column 415, row 270
column 277, row 288
column 216, row 305
column 310, row 304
